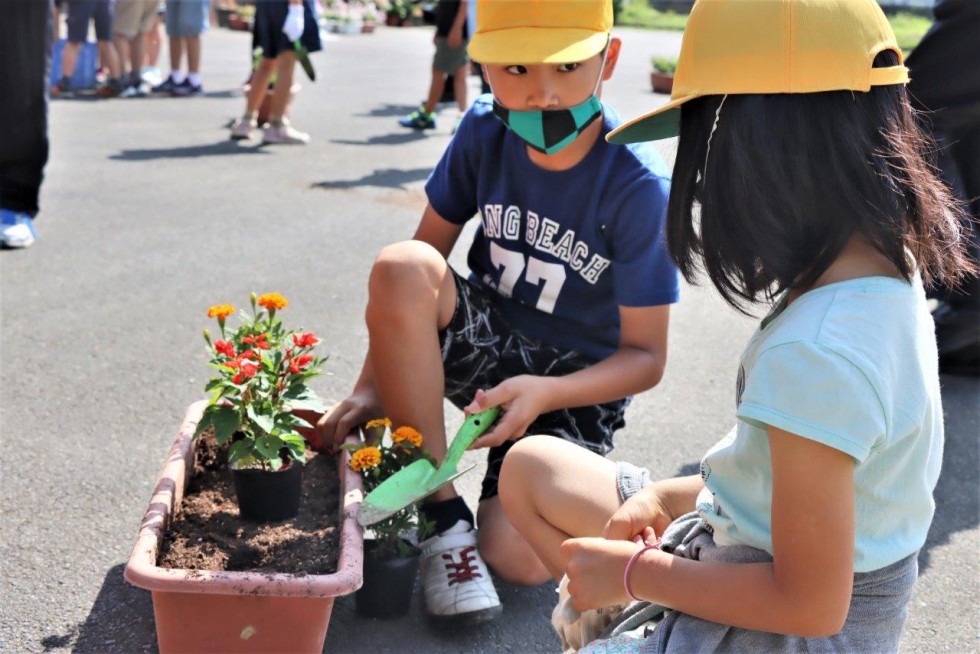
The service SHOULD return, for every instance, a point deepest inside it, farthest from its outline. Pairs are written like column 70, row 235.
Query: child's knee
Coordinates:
column 403, row 269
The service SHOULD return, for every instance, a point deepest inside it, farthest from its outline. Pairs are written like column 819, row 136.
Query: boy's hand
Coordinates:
column 334, row 427
column 638, row 516
column 595, row 568
column 523, row 398
column 455, row 37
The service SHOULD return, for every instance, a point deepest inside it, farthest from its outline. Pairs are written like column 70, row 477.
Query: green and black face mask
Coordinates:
column 550, row 130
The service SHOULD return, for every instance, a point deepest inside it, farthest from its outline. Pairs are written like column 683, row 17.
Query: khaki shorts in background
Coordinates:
column 134, row 17
column 447, row 59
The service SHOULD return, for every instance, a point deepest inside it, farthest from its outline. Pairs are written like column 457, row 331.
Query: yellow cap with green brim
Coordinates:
column 540, row 31
column 772, row 46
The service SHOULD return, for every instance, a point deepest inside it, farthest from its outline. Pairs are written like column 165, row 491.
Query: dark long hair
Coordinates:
column 792, row 177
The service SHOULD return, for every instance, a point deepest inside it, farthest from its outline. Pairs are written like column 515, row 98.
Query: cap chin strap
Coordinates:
column 714, row 126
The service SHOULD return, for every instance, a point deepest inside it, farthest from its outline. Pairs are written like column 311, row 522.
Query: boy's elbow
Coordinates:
column 814, row 621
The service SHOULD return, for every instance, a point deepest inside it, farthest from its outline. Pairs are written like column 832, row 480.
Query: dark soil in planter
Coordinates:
column 209, row 534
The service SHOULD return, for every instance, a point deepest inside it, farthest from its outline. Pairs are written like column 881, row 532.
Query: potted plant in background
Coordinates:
column 263, row 370
column 662, row 77
column 391, row 558
column 261, row 395
column 369, row 15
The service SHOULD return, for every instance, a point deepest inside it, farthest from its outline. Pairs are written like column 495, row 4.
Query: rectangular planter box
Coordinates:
column 204, row 611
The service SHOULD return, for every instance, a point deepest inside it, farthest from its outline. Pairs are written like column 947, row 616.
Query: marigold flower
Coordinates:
column 365, row 458
column 407, row 434
column 225, row 348
column 272, row 301
column 220, row 311
column 377, row 422
column 238, row 378
column 305, row 340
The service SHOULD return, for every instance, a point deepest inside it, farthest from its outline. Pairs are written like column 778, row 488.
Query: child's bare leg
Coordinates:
column 285, row 67
column 69, row 58
column 459, row 86
column 436, row 87
column 259, row 86
column 505, row 550
column 412, row 294
column 551, row 490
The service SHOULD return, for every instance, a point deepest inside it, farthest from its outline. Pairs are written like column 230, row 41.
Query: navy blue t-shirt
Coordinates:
column 562, row 249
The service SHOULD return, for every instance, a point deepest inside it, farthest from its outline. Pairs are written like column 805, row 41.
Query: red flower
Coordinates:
column 225, row 348
column 305, row 340
column 247, row 354
column 238, row 378
column 296, row 365
column 249, row 368
column 261, row 341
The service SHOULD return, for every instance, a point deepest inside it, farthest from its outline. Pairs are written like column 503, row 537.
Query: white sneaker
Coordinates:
column 241, row 129
column 284, row 133
column 455, row 579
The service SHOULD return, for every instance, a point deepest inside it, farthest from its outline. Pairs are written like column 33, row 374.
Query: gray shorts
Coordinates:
column 875, row 620
column 187, row 17
column 446, row 59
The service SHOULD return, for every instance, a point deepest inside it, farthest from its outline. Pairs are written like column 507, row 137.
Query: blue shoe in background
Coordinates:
column 16, row 229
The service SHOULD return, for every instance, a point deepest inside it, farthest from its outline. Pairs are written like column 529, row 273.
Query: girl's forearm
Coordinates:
column 747, row 595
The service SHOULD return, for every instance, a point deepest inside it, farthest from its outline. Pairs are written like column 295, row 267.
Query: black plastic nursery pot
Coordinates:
column 268, row 496
column 388, row 584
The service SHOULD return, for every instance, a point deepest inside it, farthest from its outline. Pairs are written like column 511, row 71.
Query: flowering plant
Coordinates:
column 384, row 453
column 262, row 373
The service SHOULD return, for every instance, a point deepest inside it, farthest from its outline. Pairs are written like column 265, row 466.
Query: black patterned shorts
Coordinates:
column 480, row 350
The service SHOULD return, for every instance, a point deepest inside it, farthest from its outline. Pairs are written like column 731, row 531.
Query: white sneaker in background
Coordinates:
column 284, row 133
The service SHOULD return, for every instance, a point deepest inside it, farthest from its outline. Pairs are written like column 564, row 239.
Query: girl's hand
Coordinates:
column 331, row 430
column 643, row 511
column 523, row 398
column 595, row 568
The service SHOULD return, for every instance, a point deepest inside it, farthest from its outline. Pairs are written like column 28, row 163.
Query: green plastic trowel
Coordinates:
column 421, row 478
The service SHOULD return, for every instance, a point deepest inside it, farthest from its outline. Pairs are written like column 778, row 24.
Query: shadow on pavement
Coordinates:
column 221, row 148
column 387, row 139
column 384, row 177
column 390, row 110
column 957, row 502
column 121, row 620
column 524, row 626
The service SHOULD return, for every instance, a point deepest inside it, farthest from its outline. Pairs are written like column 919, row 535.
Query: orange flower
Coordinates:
column 407, row 434
column 365, row 458
column 378, row 422
column 308, row 339
column 272, row 301
column 220, row 311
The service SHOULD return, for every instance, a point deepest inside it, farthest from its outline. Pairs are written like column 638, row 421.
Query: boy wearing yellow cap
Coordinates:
column 564, row 314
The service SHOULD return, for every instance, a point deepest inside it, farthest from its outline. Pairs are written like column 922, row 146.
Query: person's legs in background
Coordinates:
column 79, row 14
column 187, row 19
column 279, row 130
column 152, row 44
column 25, row 37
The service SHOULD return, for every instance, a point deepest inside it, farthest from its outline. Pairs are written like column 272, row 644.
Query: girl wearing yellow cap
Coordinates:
column 800, row 183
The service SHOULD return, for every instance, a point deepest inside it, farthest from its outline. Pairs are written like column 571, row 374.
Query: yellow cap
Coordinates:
column 772, row 46
column 540, row 31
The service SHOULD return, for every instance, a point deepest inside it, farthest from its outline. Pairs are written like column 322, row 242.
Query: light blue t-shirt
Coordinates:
column 561, row 250
column 852, row 365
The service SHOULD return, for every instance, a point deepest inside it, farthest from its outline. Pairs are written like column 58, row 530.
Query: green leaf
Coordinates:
column 240, row 452
column 263, row 421
column 203, row 424
column 311, row 404
column 268, row 446
column 226, row 422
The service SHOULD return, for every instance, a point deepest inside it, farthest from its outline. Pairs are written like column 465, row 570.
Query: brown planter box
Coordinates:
column 203, row 611
column 661, row 82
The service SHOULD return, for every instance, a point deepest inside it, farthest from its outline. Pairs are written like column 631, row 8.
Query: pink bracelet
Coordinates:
column 629, row 566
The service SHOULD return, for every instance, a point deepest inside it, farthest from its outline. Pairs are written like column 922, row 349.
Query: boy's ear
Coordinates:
column 612, row 56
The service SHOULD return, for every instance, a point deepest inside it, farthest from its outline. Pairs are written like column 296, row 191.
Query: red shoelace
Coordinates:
column 465, row 569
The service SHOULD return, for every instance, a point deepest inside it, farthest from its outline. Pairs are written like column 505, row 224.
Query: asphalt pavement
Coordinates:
column 150, row 214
